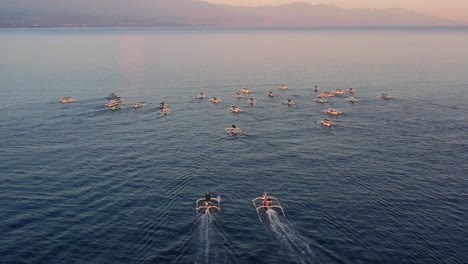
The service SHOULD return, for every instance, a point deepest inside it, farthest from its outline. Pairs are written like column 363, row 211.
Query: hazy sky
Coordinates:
column 452, row 9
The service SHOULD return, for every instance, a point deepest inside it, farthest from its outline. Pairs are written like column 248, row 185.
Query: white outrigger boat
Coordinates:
column 201, row 96
column 67, row 100
column 115, row 107
column 352, row 99
column 238, row 96
column 339, row 92
column 208, row 204
column 289, row 102
column 138, row 105
column 251, row 101
column 163, row 105
column 283, row 87
column 327, row 94
column 215, row 100
column 271, row 94
column 331, row 111
column 246, row 90
column 116, row 100
column 385, row 96
column 352, row 90
column 327, row 122
column 234, row 109
column 320, row 99
column 233, row 131
column 267, row 202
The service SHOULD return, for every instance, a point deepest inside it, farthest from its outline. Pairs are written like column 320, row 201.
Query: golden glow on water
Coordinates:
column 132, row 53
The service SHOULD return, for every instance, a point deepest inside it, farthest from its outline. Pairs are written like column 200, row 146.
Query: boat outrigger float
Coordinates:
column 267, row 202
column 208, row 204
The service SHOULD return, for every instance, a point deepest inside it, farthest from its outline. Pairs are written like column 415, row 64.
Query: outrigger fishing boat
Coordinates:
column 234, row 109
column 238, row 96
column 320, row 99
column 215, row 100
column 251, row 101
column 114, row 103
column 385, row 96
column 352, row 99
column 289, row 102
column 283, row 87
column 233, row 131
column 115, row 107
column 245, row 90
column 267, row 202
column 163, row 105
column 271, row 94
column 208, row 204
column 339, row 92
column 327, row 94
column 138, row 105
column 327, row 123
column 67, row 100
column 331, row 111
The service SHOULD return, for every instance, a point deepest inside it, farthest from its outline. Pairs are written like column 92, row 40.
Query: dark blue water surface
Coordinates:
column 82, row 184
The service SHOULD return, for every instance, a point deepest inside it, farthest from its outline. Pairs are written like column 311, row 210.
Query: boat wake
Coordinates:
column 207, row 229
column 295, row 246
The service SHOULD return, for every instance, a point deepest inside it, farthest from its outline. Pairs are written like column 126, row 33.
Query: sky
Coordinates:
column 451, row 9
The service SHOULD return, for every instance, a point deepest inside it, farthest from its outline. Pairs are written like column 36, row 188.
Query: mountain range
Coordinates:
column 53, row 13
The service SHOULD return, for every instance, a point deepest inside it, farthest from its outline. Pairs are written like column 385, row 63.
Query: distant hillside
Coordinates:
column 23, row 13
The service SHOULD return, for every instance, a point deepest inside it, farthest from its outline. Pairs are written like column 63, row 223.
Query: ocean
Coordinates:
column 80, row 183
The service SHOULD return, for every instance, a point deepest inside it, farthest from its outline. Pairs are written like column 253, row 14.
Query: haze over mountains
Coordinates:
column 24, row 13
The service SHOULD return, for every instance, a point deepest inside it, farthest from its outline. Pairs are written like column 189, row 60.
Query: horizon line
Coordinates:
column 427, row 27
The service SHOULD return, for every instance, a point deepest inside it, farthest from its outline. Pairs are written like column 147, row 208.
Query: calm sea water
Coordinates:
column 82, row 184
